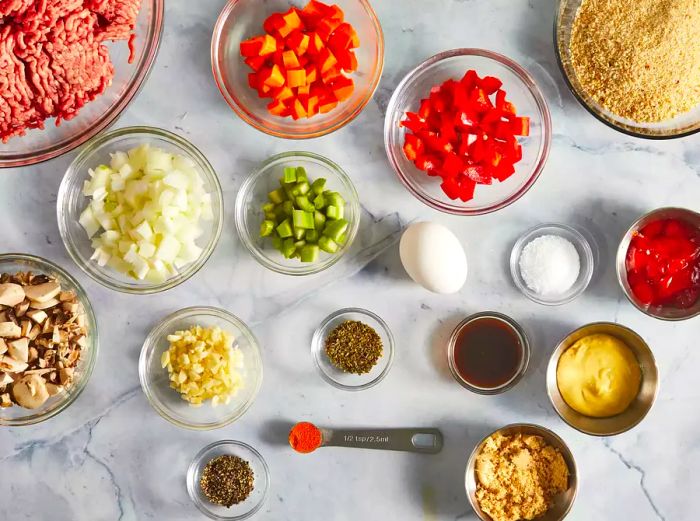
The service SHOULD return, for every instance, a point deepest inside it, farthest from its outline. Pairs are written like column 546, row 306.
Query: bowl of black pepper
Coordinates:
column 228, row 480
column 353, row 349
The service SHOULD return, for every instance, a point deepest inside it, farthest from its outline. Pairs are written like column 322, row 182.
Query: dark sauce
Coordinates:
column 488, row 352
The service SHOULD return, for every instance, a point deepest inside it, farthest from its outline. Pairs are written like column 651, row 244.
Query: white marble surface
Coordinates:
column 110, row 457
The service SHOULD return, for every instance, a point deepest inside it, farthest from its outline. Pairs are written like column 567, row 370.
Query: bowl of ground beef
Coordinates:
column 68, row 68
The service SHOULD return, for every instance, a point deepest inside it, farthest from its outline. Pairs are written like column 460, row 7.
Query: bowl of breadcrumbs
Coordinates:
column 521, row 471
column 634, row 65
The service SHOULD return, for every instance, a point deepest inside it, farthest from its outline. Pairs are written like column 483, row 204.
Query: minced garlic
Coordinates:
column 204, row 365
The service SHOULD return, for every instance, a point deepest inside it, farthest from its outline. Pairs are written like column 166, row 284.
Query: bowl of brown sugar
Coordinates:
column 634, row 65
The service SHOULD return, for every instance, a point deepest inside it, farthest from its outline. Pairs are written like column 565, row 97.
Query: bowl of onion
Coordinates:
column 140, row 210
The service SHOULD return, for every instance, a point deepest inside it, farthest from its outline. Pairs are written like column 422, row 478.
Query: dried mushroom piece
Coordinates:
column 42, row 335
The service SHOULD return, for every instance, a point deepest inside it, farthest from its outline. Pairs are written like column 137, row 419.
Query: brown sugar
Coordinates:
column 639, row 59
column 518, row 477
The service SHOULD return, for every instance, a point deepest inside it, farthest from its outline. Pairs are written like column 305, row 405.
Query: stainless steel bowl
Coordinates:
column 660, row 312
column 637, row 410
column 562, row 503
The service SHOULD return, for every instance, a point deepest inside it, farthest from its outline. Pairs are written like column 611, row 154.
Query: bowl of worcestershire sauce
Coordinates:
column 488, row 353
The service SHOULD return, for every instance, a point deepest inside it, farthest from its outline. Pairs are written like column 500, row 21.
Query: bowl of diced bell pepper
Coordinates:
column 297, row 70
column 298, row 214
column 468, row 131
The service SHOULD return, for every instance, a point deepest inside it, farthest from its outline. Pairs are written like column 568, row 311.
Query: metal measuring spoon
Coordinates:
column 420, row 440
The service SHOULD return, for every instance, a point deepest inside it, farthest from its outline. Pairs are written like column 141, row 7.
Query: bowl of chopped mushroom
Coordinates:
column 48, row 339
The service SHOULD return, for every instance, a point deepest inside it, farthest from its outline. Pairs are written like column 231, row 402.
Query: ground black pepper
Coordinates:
column 354, row 347
column 227, row 480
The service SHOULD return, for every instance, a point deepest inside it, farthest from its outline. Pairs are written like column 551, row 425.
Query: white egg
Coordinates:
column 433, row 257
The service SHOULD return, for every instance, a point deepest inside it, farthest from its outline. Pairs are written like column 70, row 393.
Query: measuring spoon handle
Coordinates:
column 425, row 441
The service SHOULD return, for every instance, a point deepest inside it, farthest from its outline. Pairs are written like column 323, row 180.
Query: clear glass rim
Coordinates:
column 584, row 278
column 80, row 385
column 353, row 199
column 621, row 259
column 589, row 108
column 198, row 461
column 157, row 333
column 248, row 116
column 317, row 340
column 524, row 363
column 113, row 113
column 532, row 87
column 86, row 265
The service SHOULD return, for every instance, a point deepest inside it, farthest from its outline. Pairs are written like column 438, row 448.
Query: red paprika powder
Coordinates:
column 305, row 437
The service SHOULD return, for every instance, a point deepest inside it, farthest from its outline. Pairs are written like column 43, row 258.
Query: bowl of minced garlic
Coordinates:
column 602, row 379
column 635, row 65
column 521, row 472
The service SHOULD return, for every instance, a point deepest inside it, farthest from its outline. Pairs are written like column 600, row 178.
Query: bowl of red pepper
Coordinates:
column 468, row 131
column 658, row 264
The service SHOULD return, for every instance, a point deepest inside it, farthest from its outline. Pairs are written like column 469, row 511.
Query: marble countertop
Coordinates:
column 111, row 457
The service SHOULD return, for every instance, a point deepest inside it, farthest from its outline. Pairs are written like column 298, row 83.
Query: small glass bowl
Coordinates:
column 71, row 203
column 349, row 381
column 253, row 193
column 521, row 90
column 680, row 126
column 585, row 253
column 261, row 480
column 18, row 416
column 156, row 384
column 524, row 362
column 242, row 19
column 670, row 313
column 43, row 144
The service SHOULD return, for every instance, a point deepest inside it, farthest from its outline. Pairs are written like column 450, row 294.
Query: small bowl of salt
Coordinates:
column 552, row 264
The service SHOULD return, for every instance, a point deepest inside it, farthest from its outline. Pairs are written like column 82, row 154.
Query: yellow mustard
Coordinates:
column 598, row 376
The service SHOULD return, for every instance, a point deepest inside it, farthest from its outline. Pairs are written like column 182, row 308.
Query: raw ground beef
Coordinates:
column 53, row 59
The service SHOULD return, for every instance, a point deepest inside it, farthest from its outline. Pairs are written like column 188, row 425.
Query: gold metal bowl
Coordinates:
column 637, row 410
column 562, row 502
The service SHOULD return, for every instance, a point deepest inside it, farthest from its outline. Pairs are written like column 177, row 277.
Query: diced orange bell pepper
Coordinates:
column 325, row 27
column 336, row 13
column 282, row 93
column 273, row 23
column 264, row 91
column 330, row 75
column 255, row 62
column 311, row 74
column 290, row 60
column 276, row 107
column 296, row 77
column 303, row 92
column 311, row 106
column 291, row 22
column 275, row 78
column 316, row 45
column 313, row 12
column 298, row 42
column 269, row 45
column 327, row 104
column 342, row 87
column 326, row 61
column 297, row 110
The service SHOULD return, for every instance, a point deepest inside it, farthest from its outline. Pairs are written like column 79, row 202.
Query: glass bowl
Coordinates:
column 349, row 381
column 253, row 193
column 156, row 384
column 585, row 253
column 261, row 480
column 524, row 361
column 242, row 19
column 680, row 126
column 71, row 203
column 41, row 145
column 635, row 412
column 670, row 313
column 17, row 416
column 521, row 90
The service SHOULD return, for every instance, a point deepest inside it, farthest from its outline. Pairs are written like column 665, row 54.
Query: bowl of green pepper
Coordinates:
column 298, row 213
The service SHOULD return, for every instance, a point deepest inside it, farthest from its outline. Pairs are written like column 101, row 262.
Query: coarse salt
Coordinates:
column 549, row 265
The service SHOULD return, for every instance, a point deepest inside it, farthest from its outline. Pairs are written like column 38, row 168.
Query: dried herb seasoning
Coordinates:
column 227, row 480
column 354, row 347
